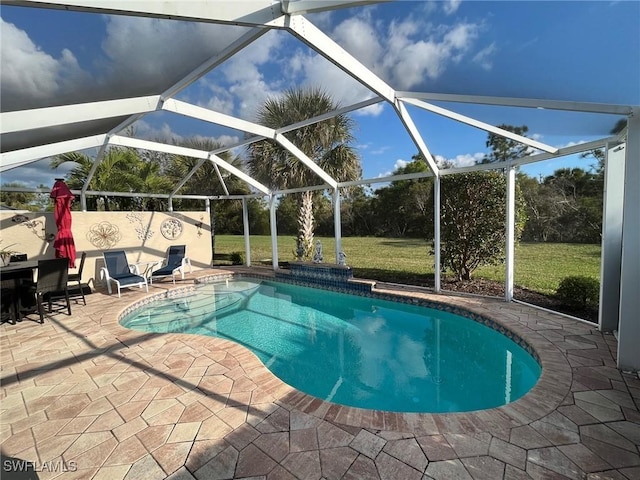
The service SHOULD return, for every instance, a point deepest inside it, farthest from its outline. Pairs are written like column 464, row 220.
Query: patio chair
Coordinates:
column 175, row 262
column 118, row 270
column 52, row 282
column 77, row 277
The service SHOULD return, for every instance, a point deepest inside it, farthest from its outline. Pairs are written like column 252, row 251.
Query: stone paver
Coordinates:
column 128, row 405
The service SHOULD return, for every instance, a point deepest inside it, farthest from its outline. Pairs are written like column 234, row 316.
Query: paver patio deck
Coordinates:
column 84, row 394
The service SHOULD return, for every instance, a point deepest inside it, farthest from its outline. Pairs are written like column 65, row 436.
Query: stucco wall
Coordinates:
column 143, row 236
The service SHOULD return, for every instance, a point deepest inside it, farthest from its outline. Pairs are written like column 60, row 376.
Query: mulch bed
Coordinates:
column 496, row 289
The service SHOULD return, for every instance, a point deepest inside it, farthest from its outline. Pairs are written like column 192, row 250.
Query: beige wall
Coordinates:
column 138, row 233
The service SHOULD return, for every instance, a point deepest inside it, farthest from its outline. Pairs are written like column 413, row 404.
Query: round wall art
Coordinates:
column 171, row 228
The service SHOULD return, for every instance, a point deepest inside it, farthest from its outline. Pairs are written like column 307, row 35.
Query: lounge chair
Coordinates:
column 119, row 271
column 175, row 262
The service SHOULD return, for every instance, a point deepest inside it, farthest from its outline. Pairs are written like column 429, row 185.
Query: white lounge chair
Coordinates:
column 119, row 271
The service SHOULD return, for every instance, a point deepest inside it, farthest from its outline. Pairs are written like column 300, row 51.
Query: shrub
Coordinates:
column 579, row 290
column 237, row 258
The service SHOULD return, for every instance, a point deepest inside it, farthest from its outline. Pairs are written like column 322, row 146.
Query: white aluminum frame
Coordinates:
column 264, row 15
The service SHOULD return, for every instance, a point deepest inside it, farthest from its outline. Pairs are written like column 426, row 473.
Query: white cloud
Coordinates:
column 132, row 49
column 463, row 160
column 248, row 86
column 381, row 150
column 484, row 57
column 404, row 54
column 36, row 173
column 571, row 144
column 451, row 6
column 399, row 164
column 408, row 50
column 153, row 52
column 29, row 75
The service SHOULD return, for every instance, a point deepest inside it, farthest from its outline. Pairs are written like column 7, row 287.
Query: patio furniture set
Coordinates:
column 22, row 295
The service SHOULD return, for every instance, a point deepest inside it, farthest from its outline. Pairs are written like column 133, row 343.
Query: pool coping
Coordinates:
column 546, row 396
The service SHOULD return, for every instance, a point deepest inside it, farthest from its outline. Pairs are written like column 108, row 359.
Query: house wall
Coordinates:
column 144, row 236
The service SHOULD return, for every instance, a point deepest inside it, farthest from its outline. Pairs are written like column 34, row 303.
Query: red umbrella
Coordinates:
column 63, row 244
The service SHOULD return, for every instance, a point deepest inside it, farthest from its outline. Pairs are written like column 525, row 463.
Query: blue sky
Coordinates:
column 577, row 51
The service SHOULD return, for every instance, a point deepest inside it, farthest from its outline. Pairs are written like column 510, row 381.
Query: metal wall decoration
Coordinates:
column 37, row 227
column 171, row 228
column 144, row 233
column 104, row 235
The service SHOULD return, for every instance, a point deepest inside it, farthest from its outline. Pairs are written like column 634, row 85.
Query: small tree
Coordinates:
column 473, row 216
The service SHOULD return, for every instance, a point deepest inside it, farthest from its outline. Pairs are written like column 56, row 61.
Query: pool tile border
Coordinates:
column 551, row 389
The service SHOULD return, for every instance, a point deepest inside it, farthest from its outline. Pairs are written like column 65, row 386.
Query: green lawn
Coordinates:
column 539, row 266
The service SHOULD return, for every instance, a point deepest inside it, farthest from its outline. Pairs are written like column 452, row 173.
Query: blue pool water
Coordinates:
column 352, row 350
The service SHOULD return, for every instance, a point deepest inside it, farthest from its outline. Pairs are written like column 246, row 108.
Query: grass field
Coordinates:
column 539, row 266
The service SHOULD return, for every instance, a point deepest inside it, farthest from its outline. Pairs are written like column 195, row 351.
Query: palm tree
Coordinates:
column 326, row 143
column 121, row 170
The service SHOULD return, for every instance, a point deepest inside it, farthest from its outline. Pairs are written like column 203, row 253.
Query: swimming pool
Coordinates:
column 351, row 350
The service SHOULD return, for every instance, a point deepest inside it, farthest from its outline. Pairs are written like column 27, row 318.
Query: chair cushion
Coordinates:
column 168, row 270
column 128, row 279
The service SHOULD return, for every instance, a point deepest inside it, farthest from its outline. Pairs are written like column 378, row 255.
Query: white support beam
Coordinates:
column 274, row 232
column 84, row 112
column 611, row 256
column 245, row 231
column 582, row 147
column 571, row 150
column 241, row 175
column 188, row 176
column 629, row 328
column 187, row 152
column 308, row 33
column 411, row 128
column 436, row 234
column 333, row 114
column 520, row 102
column 229, row 51
column 300, row 155
column 510, row 240
column 302, row 189
column 224, row 185
column 337, row 223
column 193, row 111
column 314, row 6
column 233, row 12
column 481, row 125
column 126, row 194
column 304, row 123
column 91, row 173
column 236, row 197
column 198, row 73
column 16, row 158
column 389, row 178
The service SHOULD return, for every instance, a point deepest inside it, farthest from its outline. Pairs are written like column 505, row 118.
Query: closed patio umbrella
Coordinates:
column 63, row 244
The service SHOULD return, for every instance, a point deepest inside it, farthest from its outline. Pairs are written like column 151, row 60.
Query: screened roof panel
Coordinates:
column 560, row 50
column 42, row 136
column 92, row 57
column 570, row 51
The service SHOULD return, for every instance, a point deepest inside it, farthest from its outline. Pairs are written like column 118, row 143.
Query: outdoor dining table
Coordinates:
column 11, row 278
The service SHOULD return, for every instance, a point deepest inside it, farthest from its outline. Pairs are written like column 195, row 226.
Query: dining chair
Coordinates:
column 52, row 281
column 175, row 262
column 77, row 277
column 118, row 270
